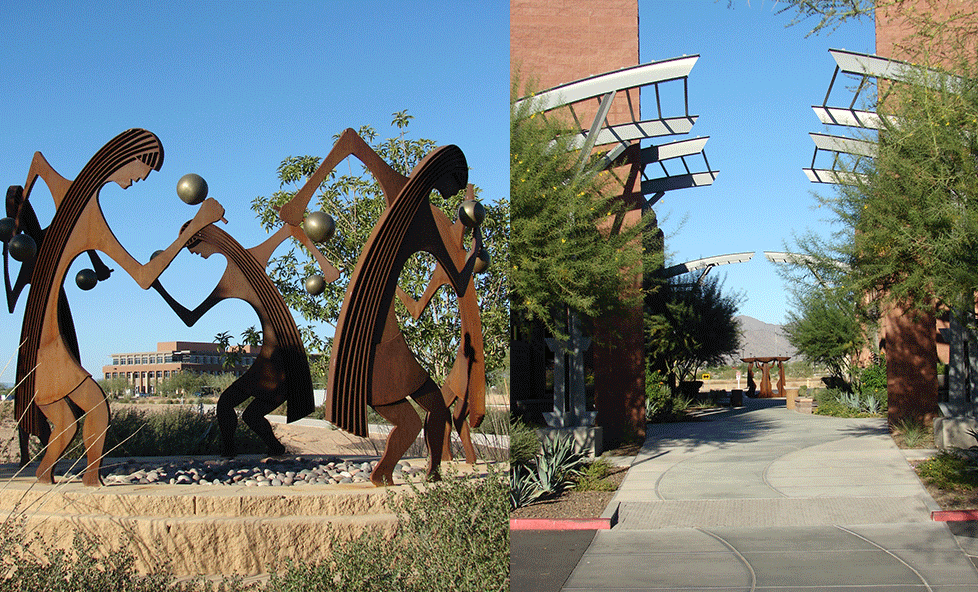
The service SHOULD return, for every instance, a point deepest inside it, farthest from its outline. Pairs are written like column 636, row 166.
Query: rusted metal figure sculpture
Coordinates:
column 464, row 390
column 49, row 373
column 281, row 371
column 370, row 362
column 764, row 365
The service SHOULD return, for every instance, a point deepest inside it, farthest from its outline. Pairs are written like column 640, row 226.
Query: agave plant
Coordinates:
column 557, row 462
column 523, row 489
column 850, row 400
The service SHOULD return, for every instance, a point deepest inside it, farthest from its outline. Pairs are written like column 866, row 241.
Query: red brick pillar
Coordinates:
column 911, row 366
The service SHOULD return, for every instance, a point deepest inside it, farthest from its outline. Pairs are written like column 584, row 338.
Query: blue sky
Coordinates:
column 233, row 88
column 230, row 88
column 753, row 87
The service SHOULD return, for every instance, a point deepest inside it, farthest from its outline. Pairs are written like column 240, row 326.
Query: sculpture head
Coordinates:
column 130, row 157
column 134, row 170
column 200, row 247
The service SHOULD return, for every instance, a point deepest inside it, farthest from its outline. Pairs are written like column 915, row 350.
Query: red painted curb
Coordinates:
column 564, row 524
column 954, row 515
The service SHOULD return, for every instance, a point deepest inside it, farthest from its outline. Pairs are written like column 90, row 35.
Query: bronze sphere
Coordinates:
column 315, row 284
column 471, row 213
column 86, row 279
column 22, row 248
column 192, row 189
column 482, row 261
column 7, row 227
column 319, row 227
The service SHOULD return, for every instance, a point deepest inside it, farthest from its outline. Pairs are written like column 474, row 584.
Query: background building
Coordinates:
column 144, row 370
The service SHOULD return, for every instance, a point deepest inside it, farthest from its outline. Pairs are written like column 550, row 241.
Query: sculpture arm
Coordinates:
column 18, row 208
column 417, row 307
column 330, row 273
column 459, row 278
column 349, row 143
column 189, row 317
column 57, row 184
column 210, row 211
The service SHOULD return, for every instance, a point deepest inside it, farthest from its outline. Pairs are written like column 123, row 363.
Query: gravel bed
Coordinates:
column 268, row 472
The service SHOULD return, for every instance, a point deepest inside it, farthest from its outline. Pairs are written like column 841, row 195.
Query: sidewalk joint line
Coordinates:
column 750, row 568
column 890, row 553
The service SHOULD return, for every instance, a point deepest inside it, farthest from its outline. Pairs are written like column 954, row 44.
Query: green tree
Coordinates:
column 114, row 387
column 690, row 326
column 354, row 199
column 830, row 13
column 251, row 336
column 570, row 249
column 230, row 354
column 827, row 329
column 182, row 383
column 914, row 212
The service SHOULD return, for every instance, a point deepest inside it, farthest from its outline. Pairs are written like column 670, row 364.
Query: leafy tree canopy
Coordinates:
column 826, row 329
column 689, row 326
column 570, row 249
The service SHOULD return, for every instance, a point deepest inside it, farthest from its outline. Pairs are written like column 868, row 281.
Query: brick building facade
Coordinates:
column 557, row 43
column 145, row 370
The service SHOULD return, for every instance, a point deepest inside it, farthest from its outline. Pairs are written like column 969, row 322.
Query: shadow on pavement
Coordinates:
column 542, row 560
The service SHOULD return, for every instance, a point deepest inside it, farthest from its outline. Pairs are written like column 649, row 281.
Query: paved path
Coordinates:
column 763, row 498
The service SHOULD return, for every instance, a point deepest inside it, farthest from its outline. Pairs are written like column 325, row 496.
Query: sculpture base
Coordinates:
column 207, row 530
column 570, row 420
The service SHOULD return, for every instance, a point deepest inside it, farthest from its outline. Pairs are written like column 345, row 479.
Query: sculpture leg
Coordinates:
column 254, row 416
column 466, row 436
column 44, row 434
column 407, row 425
column 90, row 398
column 436, row 422
column 227, row 419
column 63, row 430
column 459, row 419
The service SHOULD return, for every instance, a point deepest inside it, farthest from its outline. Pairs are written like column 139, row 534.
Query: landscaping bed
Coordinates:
column 574, row 504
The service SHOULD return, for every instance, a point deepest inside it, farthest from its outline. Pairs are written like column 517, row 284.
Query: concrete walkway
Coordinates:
column 762, row 498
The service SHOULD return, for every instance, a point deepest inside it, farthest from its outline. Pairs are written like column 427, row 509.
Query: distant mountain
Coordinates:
column 760, row 339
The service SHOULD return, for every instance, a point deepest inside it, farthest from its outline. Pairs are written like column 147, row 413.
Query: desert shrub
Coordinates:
column 839, row 403
column 949, row 471
column 914, row 433
column 168, row 431
column 524, row 443
column 661, row 404
column 593, row 476
column 872, row 379
column 557, row 464
column 29, row 565
column 450, row 535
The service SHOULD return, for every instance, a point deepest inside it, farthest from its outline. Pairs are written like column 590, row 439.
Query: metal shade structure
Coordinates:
column 812, row 263
column 706, row 264
column 866, row 68
column 605, row 88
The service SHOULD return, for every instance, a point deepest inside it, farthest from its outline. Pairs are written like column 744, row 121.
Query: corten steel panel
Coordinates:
column 48, row 370
column 911, row 366
column 281, row 371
